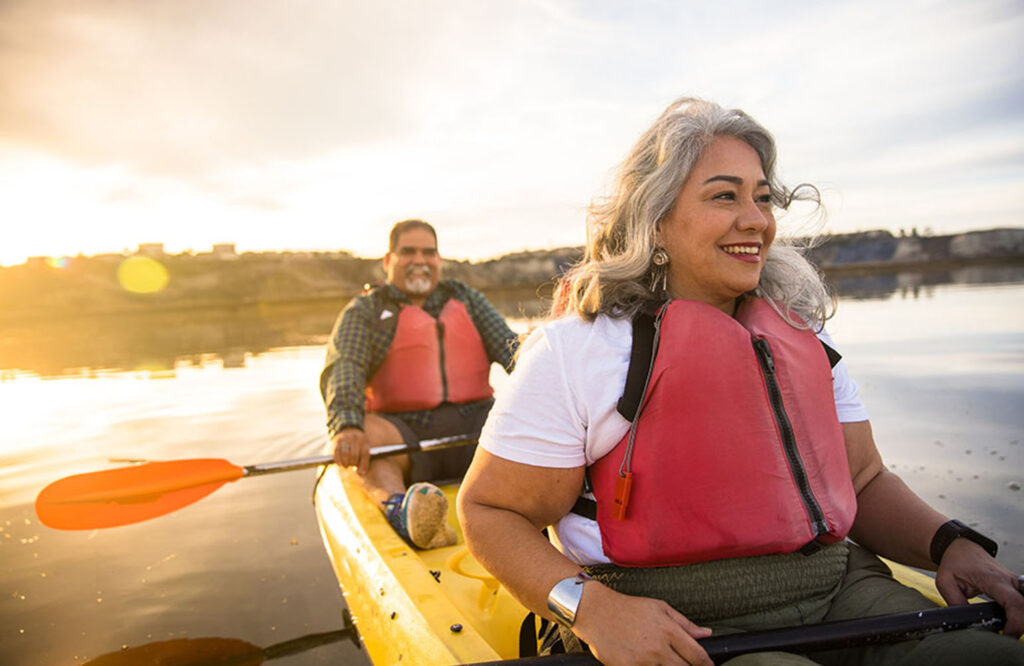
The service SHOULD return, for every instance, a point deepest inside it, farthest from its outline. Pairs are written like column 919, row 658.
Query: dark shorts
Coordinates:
column 445, row 421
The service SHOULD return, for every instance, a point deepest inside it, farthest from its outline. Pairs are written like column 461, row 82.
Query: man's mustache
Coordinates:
column 414, row 270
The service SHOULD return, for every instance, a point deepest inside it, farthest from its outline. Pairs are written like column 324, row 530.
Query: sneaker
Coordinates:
column 420, row 516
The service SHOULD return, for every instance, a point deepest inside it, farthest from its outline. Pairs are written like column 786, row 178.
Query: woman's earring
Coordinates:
column 660, row 260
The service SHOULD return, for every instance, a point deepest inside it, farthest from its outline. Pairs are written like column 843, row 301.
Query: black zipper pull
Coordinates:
column 766, row 353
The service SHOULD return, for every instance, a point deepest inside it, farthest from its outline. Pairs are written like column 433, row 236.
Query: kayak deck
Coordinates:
column 437, row 606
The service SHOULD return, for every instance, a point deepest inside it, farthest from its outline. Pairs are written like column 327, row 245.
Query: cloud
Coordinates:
column 172, row 86
column 260, row 204
column 320, row 122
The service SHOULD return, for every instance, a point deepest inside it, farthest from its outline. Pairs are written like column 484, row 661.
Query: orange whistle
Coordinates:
column 622, row 487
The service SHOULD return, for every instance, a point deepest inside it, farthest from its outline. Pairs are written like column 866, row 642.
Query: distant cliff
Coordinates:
column 836, row 255
column 880, row 250
column 42, row 289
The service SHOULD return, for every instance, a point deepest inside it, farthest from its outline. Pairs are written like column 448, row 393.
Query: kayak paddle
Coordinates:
column 127, row 495
column 843, row 634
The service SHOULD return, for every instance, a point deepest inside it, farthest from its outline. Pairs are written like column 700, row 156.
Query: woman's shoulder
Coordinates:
column 574, row 332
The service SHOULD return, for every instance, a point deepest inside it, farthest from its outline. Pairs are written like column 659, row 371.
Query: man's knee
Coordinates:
column 389, row 472
column 444, row 465
column 379, row 430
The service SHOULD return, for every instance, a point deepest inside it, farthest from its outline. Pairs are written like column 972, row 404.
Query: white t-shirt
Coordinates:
column 559, row 408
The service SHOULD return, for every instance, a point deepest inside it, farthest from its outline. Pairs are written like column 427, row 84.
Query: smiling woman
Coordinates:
column 684, row 424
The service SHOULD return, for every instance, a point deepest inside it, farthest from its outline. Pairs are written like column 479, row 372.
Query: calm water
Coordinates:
column 940, row 368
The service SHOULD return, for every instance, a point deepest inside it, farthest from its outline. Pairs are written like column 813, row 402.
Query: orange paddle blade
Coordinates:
column 131, row 494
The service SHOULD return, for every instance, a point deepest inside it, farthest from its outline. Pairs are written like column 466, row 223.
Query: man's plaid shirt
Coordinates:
column 359, row 344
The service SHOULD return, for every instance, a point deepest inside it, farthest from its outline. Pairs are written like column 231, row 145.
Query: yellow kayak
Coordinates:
column 429, row 607
column 412, row 606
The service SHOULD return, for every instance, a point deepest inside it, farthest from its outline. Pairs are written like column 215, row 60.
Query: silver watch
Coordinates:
column 564, row 598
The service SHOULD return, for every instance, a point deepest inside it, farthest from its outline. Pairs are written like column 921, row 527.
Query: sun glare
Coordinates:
column 142, row 275
column 58, row 262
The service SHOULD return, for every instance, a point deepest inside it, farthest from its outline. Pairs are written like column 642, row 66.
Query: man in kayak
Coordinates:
column 409, row 360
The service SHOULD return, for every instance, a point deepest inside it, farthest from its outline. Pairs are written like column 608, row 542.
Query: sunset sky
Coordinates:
column 314, row 125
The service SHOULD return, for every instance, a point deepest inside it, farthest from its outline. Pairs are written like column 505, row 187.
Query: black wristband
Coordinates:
column 952, row 530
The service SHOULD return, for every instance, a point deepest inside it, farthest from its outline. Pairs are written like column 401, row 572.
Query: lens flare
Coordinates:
column 142, row 275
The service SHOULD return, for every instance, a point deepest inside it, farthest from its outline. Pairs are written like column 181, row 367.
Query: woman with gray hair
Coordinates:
column 690, row 438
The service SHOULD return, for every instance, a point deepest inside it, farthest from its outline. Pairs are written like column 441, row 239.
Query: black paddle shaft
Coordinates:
column 825, row 636
column 859, row 633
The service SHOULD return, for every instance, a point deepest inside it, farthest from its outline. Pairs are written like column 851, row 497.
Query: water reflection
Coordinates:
column 921, row 284
column 221, row 651
column 162, row 343
column 247, row 564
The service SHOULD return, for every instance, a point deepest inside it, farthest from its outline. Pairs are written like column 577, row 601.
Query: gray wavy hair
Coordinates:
column 616, row 273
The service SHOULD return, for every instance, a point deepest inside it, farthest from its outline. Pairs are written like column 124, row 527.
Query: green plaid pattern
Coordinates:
column 359, row 343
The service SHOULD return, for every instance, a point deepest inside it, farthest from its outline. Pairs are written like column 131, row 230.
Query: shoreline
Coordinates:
column 88, row 287
column 338, row 299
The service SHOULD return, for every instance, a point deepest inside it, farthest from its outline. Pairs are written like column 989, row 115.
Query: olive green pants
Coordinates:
column 842, row 582
column 867, row 589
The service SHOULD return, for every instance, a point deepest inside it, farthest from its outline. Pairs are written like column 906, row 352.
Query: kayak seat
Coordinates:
column 464, row 564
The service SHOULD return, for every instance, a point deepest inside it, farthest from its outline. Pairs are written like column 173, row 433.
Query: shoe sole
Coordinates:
column 426, row 516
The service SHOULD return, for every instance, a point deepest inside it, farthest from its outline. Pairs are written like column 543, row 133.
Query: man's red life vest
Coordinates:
column 738, row 450
column 431, row 361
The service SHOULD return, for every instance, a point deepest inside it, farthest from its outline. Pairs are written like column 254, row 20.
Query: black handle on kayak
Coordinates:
column 861, row 632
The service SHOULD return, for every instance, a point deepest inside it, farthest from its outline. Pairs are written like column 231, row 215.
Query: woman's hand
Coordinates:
column 623, row 629
column 967, row 570
column 895, row 523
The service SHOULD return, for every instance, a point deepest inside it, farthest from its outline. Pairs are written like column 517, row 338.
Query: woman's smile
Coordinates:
column 749, row 252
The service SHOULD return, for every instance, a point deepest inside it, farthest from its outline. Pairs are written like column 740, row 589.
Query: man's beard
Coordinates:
column 417, row 282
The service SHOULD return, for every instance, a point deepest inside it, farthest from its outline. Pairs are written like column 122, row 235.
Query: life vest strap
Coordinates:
column 833, row 356
column 585, row 507
column 640, row 357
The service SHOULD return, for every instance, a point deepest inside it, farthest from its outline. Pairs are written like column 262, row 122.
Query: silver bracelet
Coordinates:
column 564, row 598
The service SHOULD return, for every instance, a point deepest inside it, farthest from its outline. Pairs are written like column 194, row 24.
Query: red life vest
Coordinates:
column 738, row 450
column 431, row 361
